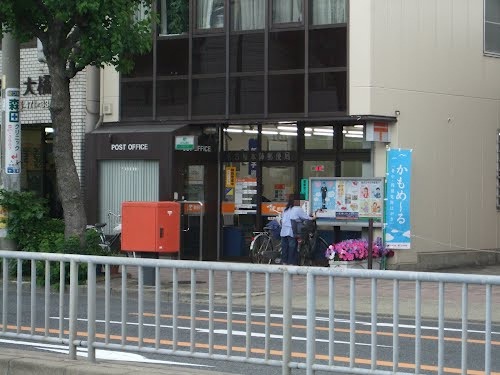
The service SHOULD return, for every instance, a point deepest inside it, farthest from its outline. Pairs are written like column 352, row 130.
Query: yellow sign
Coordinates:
column 230, row 177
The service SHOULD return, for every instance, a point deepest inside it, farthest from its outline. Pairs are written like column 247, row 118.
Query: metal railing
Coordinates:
column 194, row 310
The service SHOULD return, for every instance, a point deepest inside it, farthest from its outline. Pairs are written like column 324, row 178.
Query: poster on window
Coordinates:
column 244, row 196
column 342, row 199
column 397, row 217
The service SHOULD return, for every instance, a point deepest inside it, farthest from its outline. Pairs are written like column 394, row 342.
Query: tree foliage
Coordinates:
column 76, row 34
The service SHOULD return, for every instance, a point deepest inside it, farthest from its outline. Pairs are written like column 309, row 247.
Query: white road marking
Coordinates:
column 347, row 321
column 109, row 355
column 224, row 332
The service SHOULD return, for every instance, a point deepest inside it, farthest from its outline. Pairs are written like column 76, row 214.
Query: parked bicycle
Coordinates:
column 266, row 245
column 111, row 244
column 309, row 243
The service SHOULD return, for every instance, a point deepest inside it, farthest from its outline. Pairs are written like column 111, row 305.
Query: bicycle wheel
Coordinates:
column 303, row 250
column 260, row 244
column 321, row 247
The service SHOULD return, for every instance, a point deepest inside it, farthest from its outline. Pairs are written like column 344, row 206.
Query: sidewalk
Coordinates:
column 429, row 292
column 26, row 362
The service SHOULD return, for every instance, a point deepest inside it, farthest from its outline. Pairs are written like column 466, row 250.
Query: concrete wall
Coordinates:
column 425, row 59
column 110, row 93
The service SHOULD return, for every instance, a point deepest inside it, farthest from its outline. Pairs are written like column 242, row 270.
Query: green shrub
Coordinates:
column 30, row 226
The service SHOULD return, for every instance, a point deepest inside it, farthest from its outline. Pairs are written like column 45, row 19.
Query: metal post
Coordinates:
column 73, row 307
column 370, row 243
column 10, row 118
column 10, row 80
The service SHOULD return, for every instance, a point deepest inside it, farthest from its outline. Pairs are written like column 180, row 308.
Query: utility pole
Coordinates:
column 10, row 144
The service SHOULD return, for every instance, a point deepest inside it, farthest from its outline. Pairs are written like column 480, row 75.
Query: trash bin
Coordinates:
column 233, row 242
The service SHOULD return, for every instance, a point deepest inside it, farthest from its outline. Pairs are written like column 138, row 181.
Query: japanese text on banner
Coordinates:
column 12, row 132
column 397, row 213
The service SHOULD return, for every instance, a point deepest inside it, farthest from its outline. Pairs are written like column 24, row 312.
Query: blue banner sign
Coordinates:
column 397, row 212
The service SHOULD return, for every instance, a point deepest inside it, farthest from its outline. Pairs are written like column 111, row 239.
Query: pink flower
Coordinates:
column 349, row 250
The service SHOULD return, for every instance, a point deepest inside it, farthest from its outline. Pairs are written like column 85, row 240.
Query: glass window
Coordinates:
column 143, row 66
column 492, row 26
column 248, row 14
column 246, row 95
column 319, row 138
column 328, row 92
column 354, row 137
column 318, row 168
column 136, row 99
column 174, row 17
column 356, row 168
column 279, row 137
column 326, row 12
column 286, row 50
column 287, row 11
column 328, row 48
column 240, row 138
column 247, row 52
column 172, row 98
column 209, row 55
column 209, row 96
column 286, row 93
column 172, row 64
column 209, row 14
column 278, row 182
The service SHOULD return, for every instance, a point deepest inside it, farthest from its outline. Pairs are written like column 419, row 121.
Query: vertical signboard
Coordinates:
column 12, row 132
column 397, row 213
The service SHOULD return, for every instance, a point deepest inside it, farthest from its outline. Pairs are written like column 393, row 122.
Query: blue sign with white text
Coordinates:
column 397, row 212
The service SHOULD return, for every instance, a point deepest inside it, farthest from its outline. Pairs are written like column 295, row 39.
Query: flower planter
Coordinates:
column 354, row 264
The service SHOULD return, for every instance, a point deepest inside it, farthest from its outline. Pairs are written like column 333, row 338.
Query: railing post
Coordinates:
column 311, row 323
column 91, row 309
column 287, row 322
column 73, row 303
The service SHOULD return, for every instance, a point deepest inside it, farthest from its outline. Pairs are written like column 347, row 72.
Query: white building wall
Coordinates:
column 425, row 59
column 37, row 111
column 110, row 93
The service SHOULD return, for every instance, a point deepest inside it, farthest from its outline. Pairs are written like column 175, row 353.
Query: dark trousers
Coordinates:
column 289, row 250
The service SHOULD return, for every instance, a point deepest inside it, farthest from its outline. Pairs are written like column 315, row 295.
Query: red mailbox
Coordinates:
column 151, row 227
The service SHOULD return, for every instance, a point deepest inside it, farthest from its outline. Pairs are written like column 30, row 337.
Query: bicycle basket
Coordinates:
column 308, row 226
column 275, row 229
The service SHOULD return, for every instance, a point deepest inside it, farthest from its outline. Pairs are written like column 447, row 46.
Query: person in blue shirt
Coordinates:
column 292, row 211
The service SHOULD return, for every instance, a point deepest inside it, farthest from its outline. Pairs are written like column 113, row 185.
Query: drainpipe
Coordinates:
column 93, row 119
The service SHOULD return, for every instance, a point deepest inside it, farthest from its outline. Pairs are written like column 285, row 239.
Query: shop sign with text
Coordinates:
column 12, row 132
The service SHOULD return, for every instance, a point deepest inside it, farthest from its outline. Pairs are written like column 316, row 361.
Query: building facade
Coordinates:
column 38, row 169
column 277, row 92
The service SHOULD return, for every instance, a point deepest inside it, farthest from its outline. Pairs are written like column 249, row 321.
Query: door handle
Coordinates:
column 161, row 232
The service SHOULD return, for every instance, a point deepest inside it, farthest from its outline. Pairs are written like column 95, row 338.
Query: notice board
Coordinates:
column 344, row 200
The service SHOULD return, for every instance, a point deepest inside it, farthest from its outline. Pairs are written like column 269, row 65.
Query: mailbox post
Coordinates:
column 151, row 229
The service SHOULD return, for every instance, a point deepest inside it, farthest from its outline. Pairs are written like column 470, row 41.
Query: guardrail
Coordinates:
column 121, row 313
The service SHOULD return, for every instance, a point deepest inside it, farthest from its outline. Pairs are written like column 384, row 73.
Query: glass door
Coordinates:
column 196, row 183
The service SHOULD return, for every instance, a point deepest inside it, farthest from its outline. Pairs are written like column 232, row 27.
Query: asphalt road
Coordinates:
column 142, row 327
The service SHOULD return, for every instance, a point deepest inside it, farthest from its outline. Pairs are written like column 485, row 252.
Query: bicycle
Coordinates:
column 309, row 242
column 110, row 244
column 266, row 245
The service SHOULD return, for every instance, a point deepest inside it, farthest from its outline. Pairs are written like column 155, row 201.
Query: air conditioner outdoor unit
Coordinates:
column 107, row 109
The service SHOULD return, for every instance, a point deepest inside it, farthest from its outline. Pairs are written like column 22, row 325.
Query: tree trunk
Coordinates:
column 68, row 183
